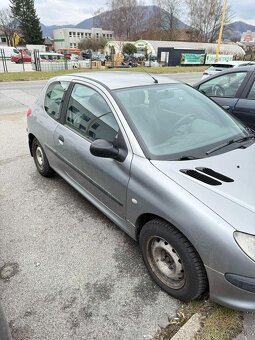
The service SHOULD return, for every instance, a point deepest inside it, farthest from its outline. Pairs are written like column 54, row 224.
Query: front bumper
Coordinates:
column 231, row 290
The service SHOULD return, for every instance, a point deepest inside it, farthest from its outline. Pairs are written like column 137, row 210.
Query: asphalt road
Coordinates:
column 66, row 271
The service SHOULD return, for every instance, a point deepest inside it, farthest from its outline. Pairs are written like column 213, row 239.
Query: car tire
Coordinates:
column 41, row 160
column 172, row 261
column 20, row 61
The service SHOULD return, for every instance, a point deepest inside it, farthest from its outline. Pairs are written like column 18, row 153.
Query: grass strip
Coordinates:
column 33, row 75
column 219, row 323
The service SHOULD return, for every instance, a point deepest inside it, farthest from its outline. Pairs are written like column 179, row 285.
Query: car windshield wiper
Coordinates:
column 231, row 141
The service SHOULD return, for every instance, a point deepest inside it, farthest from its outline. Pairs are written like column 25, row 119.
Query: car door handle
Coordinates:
column 61, row 139
column 226, row 107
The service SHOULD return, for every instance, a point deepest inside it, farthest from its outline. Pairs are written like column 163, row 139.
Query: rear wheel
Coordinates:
column 172, row 261
column 41, row 160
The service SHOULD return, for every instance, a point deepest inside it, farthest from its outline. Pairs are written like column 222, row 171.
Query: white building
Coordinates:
column 71, row 37
column 152, row 47
column 248, row 38
column 3, row 41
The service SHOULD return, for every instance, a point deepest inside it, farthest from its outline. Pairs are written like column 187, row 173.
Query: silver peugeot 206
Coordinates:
column 167, row 165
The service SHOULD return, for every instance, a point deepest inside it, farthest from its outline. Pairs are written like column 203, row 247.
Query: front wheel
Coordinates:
column 172, row 261
column 41, row 160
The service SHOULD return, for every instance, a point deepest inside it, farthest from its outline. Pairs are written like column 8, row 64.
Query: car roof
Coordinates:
column 117, row 79
column 230, row 70
column 234, row 63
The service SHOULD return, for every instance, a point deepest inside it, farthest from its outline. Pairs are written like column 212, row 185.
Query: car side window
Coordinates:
column 226, row 85
column 90, row 115
column 251, row 94
column 54, row 97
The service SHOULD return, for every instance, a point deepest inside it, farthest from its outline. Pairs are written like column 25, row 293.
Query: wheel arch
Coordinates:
column 31, row 137
column 143, row 219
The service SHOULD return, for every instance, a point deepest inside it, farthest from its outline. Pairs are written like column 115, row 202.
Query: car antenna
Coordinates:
column 154, row 79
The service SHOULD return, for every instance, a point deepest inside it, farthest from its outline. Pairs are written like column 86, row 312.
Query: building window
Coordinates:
column 71, row 45
column 70, row 34
column 110, row 35
column 74, row 44
column 74, row 34
column 82, row 34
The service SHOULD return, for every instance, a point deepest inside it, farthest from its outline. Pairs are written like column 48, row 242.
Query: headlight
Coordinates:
column 246, row 242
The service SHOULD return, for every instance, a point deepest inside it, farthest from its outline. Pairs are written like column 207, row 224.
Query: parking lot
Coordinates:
column 13, row 67
column 66, row 271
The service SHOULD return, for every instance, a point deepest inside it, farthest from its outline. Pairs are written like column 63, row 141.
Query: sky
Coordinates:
column 63, row 12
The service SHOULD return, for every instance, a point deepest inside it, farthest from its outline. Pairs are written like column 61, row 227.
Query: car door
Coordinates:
column 245, row 107
column 48, row 113
column 89, row 116
column 226, row 89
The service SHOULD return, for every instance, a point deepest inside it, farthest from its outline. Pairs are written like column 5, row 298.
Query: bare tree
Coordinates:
column 168, row 13
column 124, row 17
column 8, row 25
column 205, row 18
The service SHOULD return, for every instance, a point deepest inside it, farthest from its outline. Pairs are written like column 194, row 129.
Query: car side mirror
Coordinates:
column 105, row 149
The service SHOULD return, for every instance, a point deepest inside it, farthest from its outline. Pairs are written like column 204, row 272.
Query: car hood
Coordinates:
column 234, row 200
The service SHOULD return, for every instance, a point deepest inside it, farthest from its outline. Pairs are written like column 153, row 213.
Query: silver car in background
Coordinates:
column 219, row 67
column 167, row 165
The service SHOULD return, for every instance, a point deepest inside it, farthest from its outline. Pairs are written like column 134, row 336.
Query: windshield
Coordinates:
column 174, row 120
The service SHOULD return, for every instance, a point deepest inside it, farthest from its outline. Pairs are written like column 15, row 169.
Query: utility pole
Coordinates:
column 221, row 30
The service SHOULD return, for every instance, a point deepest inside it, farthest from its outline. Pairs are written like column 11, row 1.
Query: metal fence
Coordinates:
column 7, row 65
column 38, row 63
column 3, row 59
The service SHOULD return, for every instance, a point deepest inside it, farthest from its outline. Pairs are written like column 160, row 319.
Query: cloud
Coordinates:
column 60, row 12
column 244, row 10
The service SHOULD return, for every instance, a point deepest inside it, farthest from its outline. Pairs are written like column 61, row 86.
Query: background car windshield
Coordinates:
column 174, row 120
column 219, row 67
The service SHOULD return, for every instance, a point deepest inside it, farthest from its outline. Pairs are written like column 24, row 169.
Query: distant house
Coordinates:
column 248, row 38
column 15, row 40
column 71, row 37
column 48, row 43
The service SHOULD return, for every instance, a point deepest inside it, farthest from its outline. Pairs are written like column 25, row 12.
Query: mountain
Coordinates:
column 149, row 12
column 235, row 30
column 231, row 31
column 48, row 30
column 89, row 23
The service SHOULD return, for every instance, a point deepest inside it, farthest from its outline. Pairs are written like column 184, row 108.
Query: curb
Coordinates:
column 189, row 330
